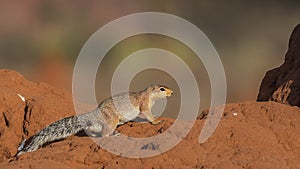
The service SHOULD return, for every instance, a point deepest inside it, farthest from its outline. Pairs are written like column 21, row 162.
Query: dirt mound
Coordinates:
column 282, row 84
column 20, row 119
column 250, row 134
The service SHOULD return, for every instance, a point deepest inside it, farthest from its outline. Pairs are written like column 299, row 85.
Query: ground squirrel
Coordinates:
column 103, row 120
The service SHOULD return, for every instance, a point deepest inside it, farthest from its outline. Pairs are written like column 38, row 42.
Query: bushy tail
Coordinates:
column 58, row 130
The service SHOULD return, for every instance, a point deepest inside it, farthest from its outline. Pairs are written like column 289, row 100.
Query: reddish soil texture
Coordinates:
column 250, row 134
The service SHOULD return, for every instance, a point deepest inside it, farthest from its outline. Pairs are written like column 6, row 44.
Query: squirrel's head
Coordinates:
column 159, row 91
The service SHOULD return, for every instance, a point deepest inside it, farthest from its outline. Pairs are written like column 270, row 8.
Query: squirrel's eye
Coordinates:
column 162, row 89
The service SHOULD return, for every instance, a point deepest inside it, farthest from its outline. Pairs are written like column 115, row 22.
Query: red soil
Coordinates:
column 260, row 135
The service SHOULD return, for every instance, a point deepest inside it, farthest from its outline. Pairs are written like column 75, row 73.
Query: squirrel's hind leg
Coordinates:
column 98, row 130
column 94, row 130
column 110, row 130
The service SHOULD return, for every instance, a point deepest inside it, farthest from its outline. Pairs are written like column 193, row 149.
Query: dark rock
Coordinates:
column 282, row 84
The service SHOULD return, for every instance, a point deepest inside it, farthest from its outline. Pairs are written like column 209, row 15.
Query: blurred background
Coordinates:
column 41, row 39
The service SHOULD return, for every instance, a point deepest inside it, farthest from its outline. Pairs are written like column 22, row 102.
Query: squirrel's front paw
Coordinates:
column 156, row 121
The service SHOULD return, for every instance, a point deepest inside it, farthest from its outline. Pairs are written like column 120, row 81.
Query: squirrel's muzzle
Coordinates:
column 169, row 92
